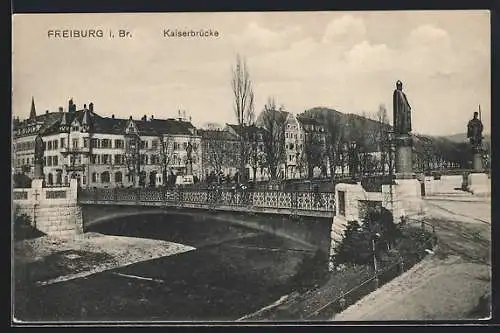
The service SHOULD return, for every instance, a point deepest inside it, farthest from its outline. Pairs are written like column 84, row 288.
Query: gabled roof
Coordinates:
column 51, row 124
column 308, row 121
column 52, row 120
column 239, row 130
column 164, row 126
column 217, row 135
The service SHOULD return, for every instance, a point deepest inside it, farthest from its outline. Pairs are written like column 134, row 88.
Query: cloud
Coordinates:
column 264, row 38
column 367, row 57
column 346, row 29
column 345, row 63
column 428, row 35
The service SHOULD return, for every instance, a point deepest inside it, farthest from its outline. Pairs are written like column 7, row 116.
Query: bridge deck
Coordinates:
column 319, row 204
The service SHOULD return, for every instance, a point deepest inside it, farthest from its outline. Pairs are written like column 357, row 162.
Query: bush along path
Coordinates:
column 376, row 244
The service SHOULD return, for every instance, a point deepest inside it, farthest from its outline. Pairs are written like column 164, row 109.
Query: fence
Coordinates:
column 310, row 201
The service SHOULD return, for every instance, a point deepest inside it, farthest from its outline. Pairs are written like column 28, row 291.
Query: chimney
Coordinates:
column 91, row 107
column 130, row 118
column 61, row 109
column 112, row 116
column 46, row 111
column 85, row 106
column 152, row 117
column 144, row 118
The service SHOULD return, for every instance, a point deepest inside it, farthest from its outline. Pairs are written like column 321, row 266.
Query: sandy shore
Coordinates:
column 119, row 251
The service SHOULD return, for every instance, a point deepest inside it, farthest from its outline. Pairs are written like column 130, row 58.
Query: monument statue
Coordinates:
column 401, row 110
column 475, row 131
column 189, row 150
column 39, row 151
column 189, row 164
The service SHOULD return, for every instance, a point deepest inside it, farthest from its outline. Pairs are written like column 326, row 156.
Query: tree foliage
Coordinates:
column 357, row 247
column 273, row 137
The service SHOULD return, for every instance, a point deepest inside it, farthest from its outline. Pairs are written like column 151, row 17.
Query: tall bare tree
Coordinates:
column 273, row 137
column 314, row 151
column 219, row 150
column 256, row 153
column 383, row 138
column 243, row 93
column 334, row 139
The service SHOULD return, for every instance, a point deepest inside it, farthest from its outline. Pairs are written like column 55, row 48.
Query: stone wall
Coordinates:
column 52, row 210
column 403, row 199
column 446, row 184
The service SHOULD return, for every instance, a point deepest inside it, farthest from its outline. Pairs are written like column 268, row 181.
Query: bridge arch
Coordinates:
column 313, row 234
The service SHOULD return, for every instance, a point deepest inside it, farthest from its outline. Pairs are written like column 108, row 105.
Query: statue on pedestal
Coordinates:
column 401, row 110
column 475, row 131
column 475, row 136
column 39, row 161
column 189, row 163
column 402, row 129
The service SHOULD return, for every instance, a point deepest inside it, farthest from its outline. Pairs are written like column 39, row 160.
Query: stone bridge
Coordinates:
column 307, row 204
column 305, row 217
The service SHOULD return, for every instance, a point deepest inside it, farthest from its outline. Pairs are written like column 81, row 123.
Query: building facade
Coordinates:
column 106, row 151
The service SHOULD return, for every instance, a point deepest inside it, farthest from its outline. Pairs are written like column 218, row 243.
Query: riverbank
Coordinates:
column 47, row 260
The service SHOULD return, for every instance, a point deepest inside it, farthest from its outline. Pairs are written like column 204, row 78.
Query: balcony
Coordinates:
column 72, row 168
column 75, row 151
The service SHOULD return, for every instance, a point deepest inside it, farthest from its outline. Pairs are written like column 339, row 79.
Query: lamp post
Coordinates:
column 375, row 264
column 353, row 160
column 345, row 151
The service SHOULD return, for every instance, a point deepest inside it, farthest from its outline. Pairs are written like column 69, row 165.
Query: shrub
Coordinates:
column 312, row 272
column 22, row 226
column 355, row 247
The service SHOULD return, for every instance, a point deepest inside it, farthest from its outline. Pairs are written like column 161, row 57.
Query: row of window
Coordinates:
column 105, row 177
column 51, row 160
column 22, row 161
column 28, row 145
column 28, row 130
column 292, row 135
column 53, row 144
column 122, row 159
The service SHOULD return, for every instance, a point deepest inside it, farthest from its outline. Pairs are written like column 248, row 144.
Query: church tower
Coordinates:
column 33, row 110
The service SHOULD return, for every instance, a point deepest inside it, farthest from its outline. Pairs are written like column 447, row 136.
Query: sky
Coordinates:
column 348, row 61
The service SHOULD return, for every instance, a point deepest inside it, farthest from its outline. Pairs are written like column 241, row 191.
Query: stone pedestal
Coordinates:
column 479, row 184
column 189, row 168
column 404, row 161
column 407, row 199
column 477, row 161
column 37, row 183
column 38, row 171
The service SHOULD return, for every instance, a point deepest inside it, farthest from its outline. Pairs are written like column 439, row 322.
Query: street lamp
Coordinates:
column 375, row 265
column 353, row 162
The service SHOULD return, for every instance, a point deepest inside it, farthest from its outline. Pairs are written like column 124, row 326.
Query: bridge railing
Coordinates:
column 311, row 201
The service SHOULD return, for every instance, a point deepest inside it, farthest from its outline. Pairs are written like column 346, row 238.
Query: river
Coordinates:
column 232, row 272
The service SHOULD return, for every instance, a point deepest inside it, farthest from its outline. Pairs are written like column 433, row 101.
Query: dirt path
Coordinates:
column 447, row 285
